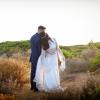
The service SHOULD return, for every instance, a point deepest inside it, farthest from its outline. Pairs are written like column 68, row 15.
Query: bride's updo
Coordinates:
column 44, row 40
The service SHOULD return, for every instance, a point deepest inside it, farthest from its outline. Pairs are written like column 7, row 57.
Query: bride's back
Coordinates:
column 52, row 44
column 52, row 47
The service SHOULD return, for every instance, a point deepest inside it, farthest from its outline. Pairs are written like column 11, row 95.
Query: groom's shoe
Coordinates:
column 36, row 90
column 31, row 89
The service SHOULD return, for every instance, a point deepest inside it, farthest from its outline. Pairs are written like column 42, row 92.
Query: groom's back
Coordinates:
column 35, row 47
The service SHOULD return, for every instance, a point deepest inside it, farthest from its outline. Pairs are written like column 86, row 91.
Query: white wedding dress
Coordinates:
column 47, row 76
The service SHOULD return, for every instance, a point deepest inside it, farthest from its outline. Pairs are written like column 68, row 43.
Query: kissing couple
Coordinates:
column 47, row 60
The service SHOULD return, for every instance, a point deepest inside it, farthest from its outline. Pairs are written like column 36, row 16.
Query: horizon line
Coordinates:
column 59, row 44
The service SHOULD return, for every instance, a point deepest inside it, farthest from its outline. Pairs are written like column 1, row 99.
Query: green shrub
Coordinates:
column 68, row 54
column 97, row 45
column 96, row 96
column 95, row 62
column 13, row 47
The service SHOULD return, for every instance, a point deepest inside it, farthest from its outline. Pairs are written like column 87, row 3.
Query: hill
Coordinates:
column 14, row 47
column 10, row 48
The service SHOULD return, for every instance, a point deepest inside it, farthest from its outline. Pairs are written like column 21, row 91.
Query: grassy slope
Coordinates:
column 15, row 46
column 23, row 46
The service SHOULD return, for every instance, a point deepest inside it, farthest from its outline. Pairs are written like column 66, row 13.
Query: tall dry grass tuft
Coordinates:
column 13, row 74
column 7, row 97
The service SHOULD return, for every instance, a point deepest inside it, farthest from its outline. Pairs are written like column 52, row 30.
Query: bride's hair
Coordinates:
column 45, row 40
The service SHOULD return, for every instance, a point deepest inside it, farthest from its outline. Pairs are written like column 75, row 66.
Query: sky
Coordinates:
column 70, row 22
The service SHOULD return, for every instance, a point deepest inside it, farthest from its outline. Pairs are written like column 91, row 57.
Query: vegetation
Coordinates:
column 13, row 47
column 69, row 53
column 95, row 62
column 23, row 46
column 97, row 45
column 89, row 91
column 14, row 72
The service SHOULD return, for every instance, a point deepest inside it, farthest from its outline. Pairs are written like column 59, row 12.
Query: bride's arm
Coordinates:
column 61, row 58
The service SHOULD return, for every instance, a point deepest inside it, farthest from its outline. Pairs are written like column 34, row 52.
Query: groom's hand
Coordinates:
column 59, row 62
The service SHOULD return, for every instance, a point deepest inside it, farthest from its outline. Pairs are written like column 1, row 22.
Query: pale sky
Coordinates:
column 71, row 22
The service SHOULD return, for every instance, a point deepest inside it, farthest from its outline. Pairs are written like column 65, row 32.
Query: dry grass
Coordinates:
column 14, row 78
column 13, row 74
column 71, row 93
column 7, row 97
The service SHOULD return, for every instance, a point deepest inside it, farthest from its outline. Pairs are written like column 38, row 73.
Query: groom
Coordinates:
column 35, row 53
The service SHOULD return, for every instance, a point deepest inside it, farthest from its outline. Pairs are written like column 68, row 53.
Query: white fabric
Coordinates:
column 47, row 76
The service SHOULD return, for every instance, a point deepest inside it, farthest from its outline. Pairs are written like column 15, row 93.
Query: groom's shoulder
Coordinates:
column 34, row 36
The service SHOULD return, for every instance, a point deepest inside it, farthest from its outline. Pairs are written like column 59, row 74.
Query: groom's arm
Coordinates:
column 34, row 52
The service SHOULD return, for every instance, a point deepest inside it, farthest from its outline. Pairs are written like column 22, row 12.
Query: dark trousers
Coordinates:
column 33, row 72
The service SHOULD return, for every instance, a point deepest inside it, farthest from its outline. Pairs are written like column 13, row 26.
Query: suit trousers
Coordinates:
column 33, row 72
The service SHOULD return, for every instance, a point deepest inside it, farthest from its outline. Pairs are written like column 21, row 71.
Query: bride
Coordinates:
column 49, row 64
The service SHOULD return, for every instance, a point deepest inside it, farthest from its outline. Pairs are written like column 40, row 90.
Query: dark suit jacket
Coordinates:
column 35, row 48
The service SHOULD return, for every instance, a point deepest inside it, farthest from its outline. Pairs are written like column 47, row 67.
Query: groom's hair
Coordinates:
column 44, row 40
column 41, row 27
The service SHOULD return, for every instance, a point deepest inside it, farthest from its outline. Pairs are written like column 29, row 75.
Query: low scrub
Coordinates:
column 13, row 74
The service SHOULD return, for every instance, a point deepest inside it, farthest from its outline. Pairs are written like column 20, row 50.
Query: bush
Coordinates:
column 97, row 45
column 96, row 96
column 68, row 54
column 88, row 53
column 13, row 74
column 7, row 97
column 14, row 47
column 95, row 62
column 76, row 65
